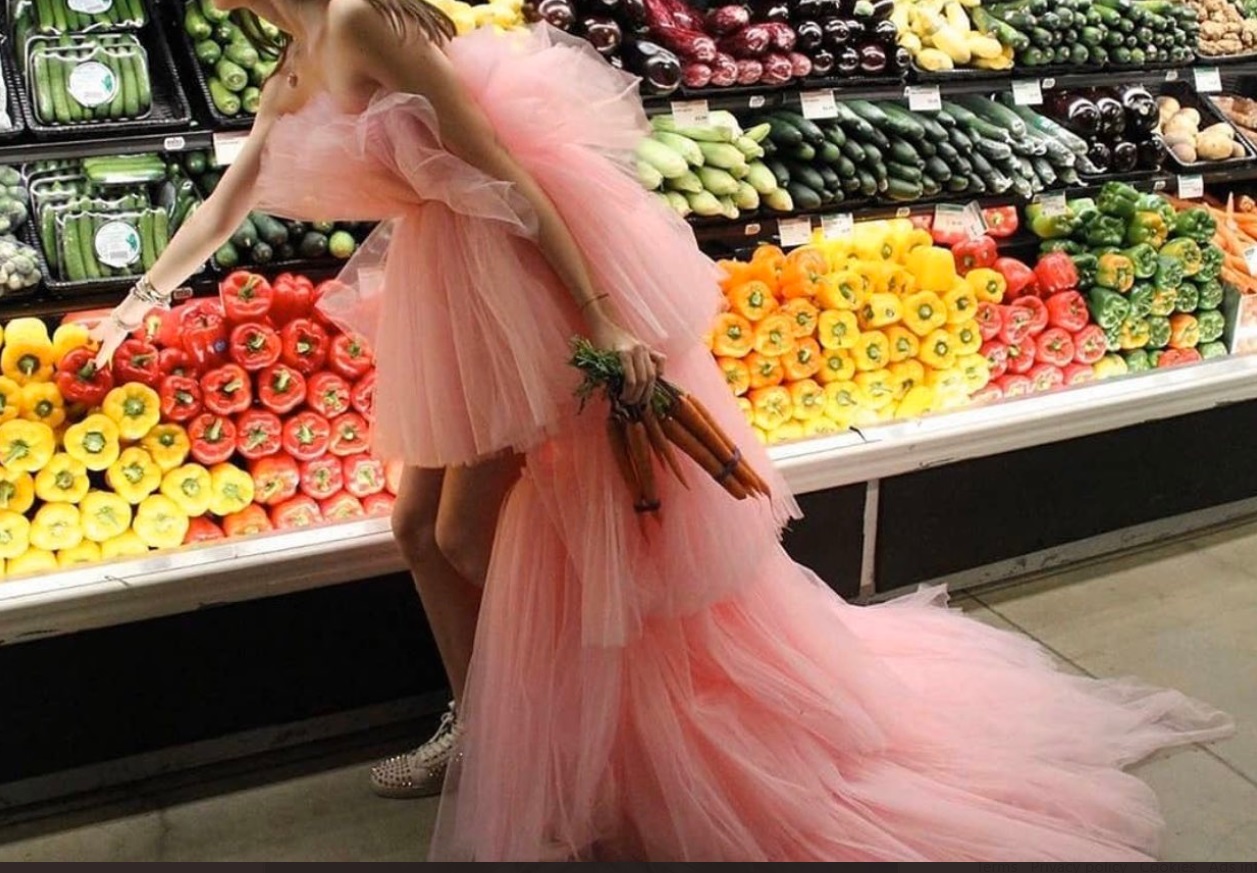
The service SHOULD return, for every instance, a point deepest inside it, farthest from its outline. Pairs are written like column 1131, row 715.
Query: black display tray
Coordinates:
column 960, row 74
column 1187, row 96
column 243, row 121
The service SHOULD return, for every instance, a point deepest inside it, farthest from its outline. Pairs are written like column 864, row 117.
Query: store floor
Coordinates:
column 1183, row 615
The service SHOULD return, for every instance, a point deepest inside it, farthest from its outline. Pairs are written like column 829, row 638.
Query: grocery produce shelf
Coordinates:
column 284, row 562
column 120, row 144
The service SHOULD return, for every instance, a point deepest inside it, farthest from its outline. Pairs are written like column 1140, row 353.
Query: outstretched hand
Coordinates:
column 109, row 334
column 642, row 365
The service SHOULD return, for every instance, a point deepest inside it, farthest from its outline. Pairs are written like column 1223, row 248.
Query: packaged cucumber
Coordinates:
column 107, row 244
column 83, row 79
column 62, row 17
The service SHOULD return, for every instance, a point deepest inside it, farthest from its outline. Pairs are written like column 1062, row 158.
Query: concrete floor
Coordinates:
column 1184, row 615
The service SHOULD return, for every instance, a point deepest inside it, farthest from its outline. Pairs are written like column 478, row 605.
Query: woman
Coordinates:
column 678, row 691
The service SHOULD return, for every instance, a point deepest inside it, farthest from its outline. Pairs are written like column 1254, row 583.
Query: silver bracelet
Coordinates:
column 122, row 325
column 146, row 293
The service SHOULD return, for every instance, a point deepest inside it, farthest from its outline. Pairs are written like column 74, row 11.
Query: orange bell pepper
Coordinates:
column 773, row 407
column 767, row 264
column 733, row 337
column 903, row 343
column 803, row 361
column 803, row 317
column 845, row 290
column 737, row 375
column 763, row 371
column 808, row 400
column 773, row 336
column 753, row 300
column 838, row 329
column 803, row 267
column 837, row 365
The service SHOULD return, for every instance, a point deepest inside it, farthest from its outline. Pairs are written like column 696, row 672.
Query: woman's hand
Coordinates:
column 642, row 365
column 109, row 335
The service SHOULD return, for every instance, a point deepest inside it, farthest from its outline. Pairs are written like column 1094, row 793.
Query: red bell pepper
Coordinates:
column 136, row 361
column 1054, row 346
column 213, row 438
column 259, row 433
column 202, row 530
column 1021, row 356
column 203, row 334
column 1038, row 313
column 996, row 354
column 175, row 362
column 1077, row 374
column 327, row 394
column 306, row 436
column 379, row 505
column 1016, row 324
column 1177, row 357
column 1015, row 385
column 362, row 395
column 989, row 320
column 275, row 479
column 281, row 389
column 79, row 379
column 946, row 238
column 974, row 252
column 296, row 512
column 349, row 434
column 180, row 398
column 341, row 507
column 1001, row 221
column 992, row 393
column 159, row 326
column 247, row 522
column 364, row 475
column 322, row 477
column 1055, row 272
column 1090, row 344
column 1068, row 310
column 1019, row 278
column 350, row 357
column 254, row 346
column 246, row 296
column 305, row 345
column 1046, row 377
column 293, row 298
column 227, row 390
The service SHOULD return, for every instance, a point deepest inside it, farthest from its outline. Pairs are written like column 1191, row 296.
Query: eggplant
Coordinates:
column 658, row 67
column 634, row 12
column 873, row 58
column 882, row 9
column 810, row 36
column 603, row 34
column 1112, row 116
column 601, row 7
column 902, row 58
column 1125, row 156
column 1080, row 115
column 886, row 33
column 856, row 31
column 806, row 10
column 837, row 32
column 773, row 10
column 557, row 13
column 1100, row 156
column 1151, row 154
column 849, row 60
column 823, row 62
column 1142, row 115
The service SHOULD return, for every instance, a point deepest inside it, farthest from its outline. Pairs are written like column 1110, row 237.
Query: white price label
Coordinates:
column 1208, row 80
column 819, row 104
column 92, row 83
column 227, row 147
column 117, row 244
column 691, row 113
column 90, row 7
column 756, row 101
column 174, row 144
column 837, row 226
column 1171, row 75
column 903, row 212
column 952, row 218
column 1052, row 205
column 1250, row 260
column 794, row 231
column 752, row 229
column 1027, row 92
column 924, row 98
column 1191, row 187
column 1047, row 84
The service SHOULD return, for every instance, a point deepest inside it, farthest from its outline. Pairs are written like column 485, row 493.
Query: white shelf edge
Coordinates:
column 286, row 562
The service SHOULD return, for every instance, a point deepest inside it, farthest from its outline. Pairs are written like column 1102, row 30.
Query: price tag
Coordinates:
column 756, row 101
column 752, row 229
column 952, row 218
column 1191, row 187
column 1208, row 80
column 924, row 98
column 1250, row 260
column 227, row 147
column 819, row 104
column 903, row 212
column 794, row 231
column 174, row 144
column 1027, row 92
column 837, row 226
column 183, row 293
column 1047, row 84
column 1158, row 186
column 1171, row 75
column 691, row 113
column 1052, row 205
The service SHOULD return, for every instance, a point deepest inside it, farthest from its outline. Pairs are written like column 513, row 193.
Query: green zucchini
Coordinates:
column 938, row 168
column 806, row 175
column 901, row 122
column 241, row 53
column 808, row 129
column 903, row 152
column 803, row 196
column 904, row 171
column 224, row 100
column 783, row 133
column 195, row 25
column 903, row 190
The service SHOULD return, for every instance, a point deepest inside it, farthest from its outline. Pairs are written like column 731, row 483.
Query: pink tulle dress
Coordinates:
column 693, row 695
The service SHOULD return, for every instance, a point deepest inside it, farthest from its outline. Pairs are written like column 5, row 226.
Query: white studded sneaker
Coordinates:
column 420, row 773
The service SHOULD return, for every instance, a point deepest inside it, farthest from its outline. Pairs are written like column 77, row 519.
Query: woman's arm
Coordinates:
column 366, row 42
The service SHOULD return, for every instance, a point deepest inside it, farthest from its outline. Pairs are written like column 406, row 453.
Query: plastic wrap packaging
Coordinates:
column 81, row 79
column 98, row 245
column 66, row 17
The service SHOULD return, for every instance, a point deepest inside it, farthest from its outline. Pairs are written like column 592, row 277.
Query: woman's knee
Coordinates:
column 415, row 533
column 466, row 549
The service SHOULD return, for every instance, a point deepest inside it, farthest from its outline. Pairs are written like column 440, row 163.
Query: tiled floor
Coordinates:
column 1184, row 615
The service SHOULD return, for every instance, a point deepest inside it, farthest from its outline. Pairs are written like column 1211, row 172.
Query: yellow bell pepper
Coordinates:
column 968, row 337
column 881, row 310
column 903, row 343
column 917, row 402
column 843, row 400
column 949, row 387
column 56, row 526
column 938, row 350
column 134, row 476
column 32, row 562
column 168, row 444
column 807, row 399
column 748, row 410
column 42, row 401
column 160, row 523
column 68, row 337
column 17, row 490
column 135, row 408
column 933, row 268
column 791, row 431
column 821, row 426
column 10, row 399
column 26, row 445
column 27, row 330
column 772, row 407
column 962, row 303
column 774, row 336
column 870, row 241
column 924, row 312
column 94, row 441
column 837, row 329
column 803, row 315
column 189, row 487
column 231, row 489
column 837, row 365
column 125, row 545
column 27, row 360
column 975, row 370
column 989, row 285
column 15, row 534
column 878, row 387
column 64, row 480
column 86, row 552
column 105, row 516
column 906, row 375
column 872, row 351
column 844, row 290
column 900, row 282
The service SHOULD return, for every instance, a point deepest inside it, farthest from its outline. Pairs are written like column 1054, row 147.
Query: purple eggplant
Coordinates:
column 873, row 58
column 1100, row 155
column 557, row 13
column 823, row 62
column 837, row 32
column 804, row 10
column 849, row 60
column 810, row 36
column 901, row 58
column 1112, row 116
column 658, row 67
column 772, row 10
column 634, row 12
column 1151, row 153
column 1125, row 156
column 886, row 33
column 603, row 34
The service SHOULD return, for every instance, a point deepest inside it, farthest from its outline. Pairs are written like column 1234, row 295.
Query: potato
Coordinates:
column 1220, row 128
column 1213, row 147
column 1184, row 153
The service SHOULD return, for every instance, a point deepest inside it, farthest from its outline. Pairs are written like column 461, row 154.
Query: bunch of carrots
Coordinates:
column 641, row 435
column 1236, row 234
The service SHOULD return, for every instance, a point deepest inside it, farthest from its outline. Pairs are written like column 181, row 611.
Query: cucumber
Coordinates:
column 208, row 53
column 833, row 184
column 807, row 129
column 228, row 103
column 835, row 134
column 933, row 129
column 44, row 108
column 829, row 153
column 903, row 152
column 241, row 53
column 994, row 150
column 262, row 253
column 87, row 245
column 778, row 169
column 975, row 125
column 195, row 24
column 857, row 126
column 227, row 257
column 927, row 148
column 806, row 175
column 870, row 112
column 212, row 13
column 314, row 245
column 872, row 154
column 930, row 186
column 902, row 189
column 130, row 89
column 868, row 183
column 803, row 196
column 938, row 168
column 783, row 133
column 994, row 112
column 904, row 171
column 148, row 246
column 957, row 184
column 232, row 75
column 854, row 151
column 116, row 105
column 246, row 235
column 845, row 168
column 901, row 122
column 327, row 228
column 802, row 152
column 196, row 163
column 71, row 260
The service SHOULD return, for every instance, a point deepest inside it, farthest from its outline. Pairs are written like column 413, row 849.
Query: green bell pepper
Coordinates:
column 1163, row 300
column 1115, row 271
column 1082, row 208
column 1113, row 339
column 1068, row 246
column 1208, row 351
column 1154, row 357
column 1169, row 272
column 1144, row 257
column 1141, row 296
column 1050, row 226
column 1158, row 332
column 1147, row 227
column 1086, row 265
column 1212, row 325
column 1195, row 224
column 1104, row 230
column 1138, row 361
column 1108, row 308
column 1211, row 260
column 1211, row 293
column 1118, row 199
column 1185, row 251
column 1187, row 299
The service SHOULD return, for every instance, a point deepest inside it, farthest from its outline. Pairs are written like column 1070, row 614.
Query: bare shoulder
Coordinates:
column 360, row 23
